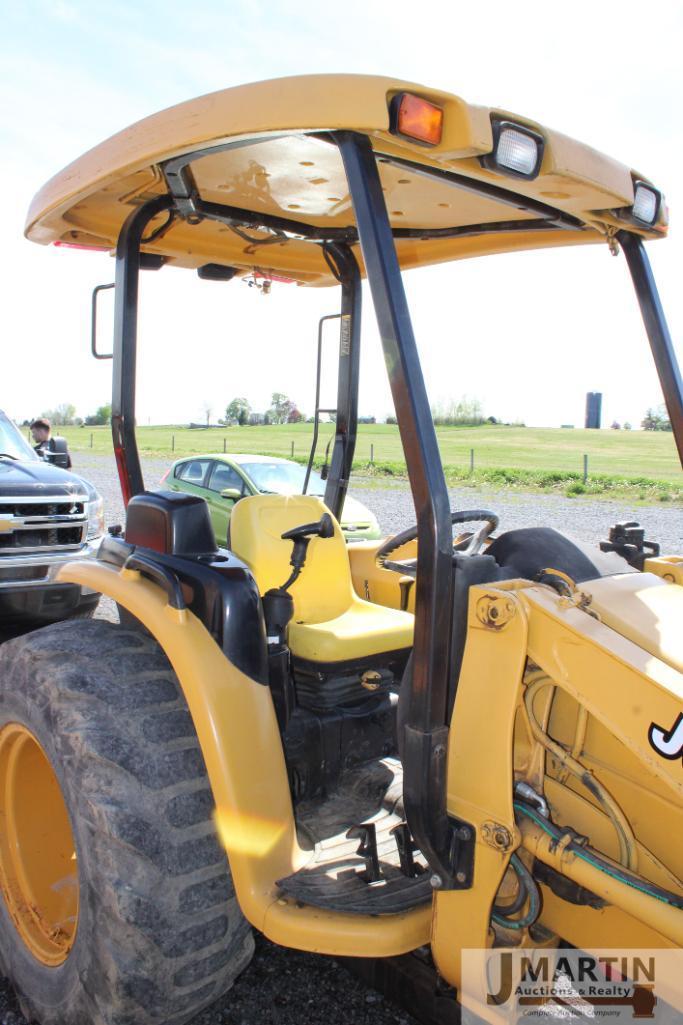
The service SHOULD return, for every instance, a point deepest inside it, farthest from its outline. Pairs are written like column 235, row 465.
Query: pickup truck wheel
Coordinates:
column 117, row 904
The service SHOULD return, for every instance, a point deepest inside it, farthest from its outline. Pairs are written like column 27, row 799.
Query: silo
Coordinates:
column 593, row 408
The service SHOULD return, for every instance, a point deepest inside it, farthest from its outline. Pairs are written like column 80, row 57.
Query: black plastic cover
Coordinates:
column 170, row 523
column 221, row 591
column 216, row 272
column 529, row 550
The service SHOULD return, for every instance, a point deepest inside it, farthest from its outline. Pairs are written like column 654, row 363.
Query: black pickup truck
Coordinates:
column 48, row 516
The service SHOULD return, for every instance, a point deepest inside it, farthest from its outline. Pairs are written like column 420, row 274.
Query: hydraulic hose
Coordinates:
column 528, row 888
column 592, row 857
column 628, row 852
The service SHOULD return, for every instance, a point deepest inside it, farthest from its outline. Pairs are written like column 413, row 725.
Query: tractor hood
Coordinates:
column 643, row 608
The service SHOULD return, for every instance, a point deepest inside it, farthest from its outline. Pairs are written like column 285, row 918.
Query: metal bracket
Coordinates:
column 497, row 836
column 463, row 839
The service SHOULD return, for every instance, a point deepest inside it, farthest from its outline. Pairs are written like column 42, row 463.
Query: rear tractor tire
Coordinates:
column 116, row 906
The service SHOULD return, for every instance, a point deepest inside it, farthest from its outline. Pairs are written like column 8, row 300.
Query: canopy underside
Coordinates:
column 285, row 192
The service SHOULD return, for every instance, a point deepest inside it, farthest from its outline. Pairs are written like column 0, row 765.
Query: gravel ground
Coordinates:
column 587, row 519
column 285, row 987
column 392, row 504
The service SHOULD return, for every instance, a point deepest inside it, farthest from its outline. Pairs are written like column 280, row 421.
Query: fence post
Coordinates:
column 471, row 460
column 91, row 441
column 372, row 454
column 292, row 453
column 173, row 443
column 585, row 469
column 224, row 448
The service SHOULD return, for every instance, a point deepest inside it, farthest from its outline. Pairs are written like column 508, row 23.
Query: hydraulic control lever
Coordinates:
column 278, row 609
column 301, row 536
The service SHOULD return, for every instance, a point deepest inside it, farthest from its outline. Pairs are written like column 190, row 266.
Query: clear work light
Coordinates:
column 646, row 203
column 517, row 150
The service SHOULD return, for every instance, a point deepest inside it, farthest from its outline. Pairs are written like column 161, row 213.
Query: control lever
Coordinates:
column 278, row 609
column 278, row 604
column 301, row 536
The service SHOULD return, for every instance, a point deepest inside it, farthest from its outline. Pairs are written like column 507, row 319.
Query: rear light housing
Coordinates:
column 517, row 150
column 646, row 208
column 60, row 243
column 413, row 118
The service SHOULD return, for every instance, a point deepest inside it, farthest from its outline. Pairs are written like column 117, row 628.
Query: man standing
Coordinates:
column 46, row 447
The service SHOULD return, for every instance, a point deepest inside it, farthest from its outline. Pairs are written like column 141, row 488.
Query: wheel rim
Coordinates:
column 38, row 865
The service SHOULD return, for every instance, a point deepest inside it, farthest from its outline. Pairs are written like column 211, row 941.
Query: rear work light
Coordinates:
column 646, row 203
column 416, row 119
column 77, row 245
column 517, row 150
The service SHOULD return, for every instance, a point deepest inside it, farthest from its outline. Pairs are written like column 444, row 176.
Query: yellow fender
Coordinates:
column 237, row 729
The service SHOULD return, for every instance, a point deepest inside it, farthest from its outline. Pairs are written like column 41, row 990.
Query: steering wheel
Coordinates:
column 467, row 546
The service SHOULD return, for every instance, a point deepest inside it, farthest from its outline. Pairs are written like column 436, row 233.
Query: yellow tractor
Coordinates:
column 424, row 753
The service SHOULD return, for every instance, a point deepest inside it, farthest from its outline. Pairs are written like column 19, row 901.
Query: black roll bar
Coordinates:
column 346, row 424
column 125, row 344
column 318, row 409
column 426, row 732
column 657, row 331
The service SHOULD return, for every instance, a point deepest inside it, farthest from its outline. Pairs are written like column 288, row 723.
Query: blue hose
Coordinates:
column 528, row 883
column 592, row 857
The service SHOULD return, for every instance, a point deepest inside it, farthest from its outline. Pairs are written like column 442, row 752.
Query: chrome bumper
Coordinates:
column 14, row 569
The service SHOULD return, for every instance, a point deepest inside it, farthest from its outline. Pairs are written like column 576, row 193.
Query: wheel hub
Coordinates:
column 38, row 864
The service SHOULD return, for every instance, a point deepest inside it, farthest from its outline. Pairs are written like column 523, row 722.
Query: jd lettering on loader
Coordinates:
column 394, row 751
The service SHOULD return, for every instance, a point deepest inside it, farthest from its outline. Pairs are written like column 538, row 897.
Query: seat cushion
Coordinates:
column 362, row 630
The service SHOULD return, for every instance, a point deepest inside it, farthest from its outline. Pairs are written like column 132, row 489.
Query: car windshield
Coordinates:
column 283, row 478
column 11, row 442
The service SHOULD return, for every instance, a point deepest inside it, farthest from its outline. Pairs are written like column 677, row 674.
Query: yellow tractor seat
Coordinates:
column 330, row 623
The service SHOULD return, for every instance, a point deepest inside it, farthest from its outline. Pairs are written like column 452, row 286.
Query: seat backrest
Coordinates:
column 324, row 589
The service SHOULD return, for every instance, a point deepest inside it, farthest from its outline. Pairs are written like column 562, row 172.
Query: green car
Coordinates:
column 223, row 479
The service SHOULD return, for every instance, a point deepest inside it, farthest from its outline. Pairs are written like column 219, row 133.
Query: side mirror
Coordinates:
column 233, row 494
column 57, row 454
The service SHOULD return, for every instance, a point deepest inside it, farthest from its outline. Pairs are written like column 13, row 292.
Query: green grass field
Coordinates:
column 522, row 456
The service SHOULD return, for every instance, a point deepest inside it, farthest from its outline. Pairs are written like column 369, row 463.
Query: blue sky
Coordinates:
column 527, row 334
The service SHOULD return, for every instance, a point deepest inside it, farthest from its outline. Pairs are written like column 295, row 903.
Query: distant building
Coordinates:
column 593, row 409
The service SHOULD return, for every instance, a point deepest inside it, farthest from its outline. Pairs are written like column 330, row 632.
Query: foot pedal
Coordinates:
column 406, row 849
column 367, row 834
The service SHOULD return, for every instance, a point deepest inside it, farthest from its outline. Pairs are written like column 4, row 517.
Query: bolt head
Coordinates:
column 436, row 882
column 461, row 877
column 463, row 833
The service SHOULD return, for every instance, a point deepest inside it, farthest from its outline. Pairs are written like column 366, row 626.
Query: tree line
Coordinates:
column 465, row 411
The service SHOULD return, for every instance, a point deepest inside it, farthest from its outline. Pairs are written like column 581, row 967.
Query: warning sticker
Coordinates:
column 345, row 335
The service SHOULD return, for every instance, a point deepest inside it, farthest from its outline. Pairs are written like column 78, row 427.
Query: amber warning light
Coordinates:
column 416, row 119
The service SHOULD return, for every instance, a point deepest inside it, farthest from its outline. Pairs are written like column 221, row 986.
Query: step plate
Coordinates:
column 333, row 878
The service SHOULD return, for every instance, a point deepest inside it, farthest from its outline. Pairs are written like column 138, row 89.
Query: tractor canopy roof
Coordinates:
column 268, row 184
